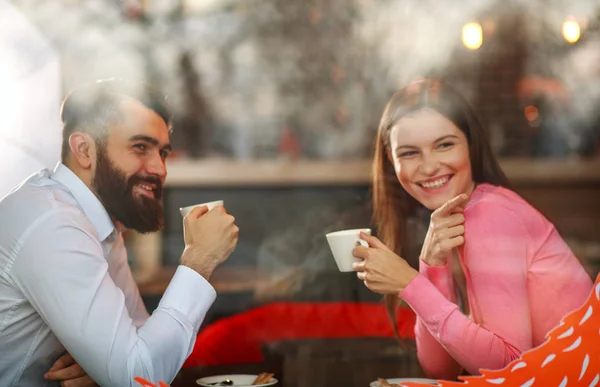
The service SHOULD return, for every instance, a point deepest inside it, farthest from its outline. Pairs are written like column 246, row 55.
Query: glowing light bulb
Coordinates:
column 571, row 31
column 472, row 36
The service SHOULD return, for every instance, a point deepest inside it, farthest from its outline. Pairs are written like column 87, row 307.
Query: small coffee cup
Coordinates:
column 185, row 210
column 342, row 243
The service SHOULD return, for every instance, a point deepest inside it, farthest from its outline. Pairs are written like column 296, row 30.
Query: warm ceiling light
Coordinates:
column 571, row 31
column 531, row 113
column 472, row 36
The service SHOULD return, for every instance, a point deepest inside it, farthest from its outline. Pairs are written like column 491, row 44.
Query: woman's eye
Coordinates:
column 445, row 145
column 407, row 154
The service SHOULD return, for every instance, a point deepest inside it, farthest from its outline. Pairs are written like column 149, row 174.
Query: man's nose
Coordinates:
column 156, row 166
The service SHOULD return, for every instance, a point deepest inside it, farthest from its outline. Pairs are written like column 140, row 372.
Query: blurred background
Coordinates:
column 254, row 79
column 276, row 106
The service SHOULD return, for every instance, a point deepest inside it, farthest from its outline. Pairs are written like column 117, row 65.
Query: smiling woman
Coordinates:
column 431, row 155
column 489, row 261
column 426, row 132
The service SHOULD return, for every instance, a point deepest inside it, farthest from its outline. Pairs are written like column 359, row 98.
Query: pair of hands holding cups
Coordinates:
column 382, row 270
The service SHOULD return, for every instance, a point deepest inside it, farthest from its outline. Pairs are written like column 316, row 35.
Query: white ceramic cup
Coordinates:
column 341, row 244
column 185, row 210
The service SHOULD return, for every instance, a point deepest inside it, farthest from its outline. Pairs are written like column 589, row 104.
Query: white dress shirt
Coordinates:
column 65, row 284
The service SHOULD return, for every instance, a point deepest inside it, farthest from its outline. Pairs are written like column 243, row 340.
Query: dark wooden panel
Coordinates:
column 575, row 211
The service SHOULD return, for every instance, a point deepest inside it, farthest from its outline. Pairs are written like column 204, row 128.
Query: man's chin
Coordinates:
column 148, row 226
column 143, row 196
column 147, row 216
column 142, row 199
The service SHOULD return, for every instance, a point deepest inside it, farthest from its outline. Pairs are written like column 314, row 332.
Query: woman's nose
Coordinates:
column 430, row 165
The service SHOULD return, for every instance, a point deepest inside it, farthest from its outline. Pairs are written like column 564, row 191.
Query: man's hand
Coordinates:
column 69, row 373
column 210, row 237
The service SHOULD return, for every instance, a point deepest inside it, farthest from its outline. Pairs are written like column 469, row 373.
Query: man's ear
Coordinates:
column 83, row 148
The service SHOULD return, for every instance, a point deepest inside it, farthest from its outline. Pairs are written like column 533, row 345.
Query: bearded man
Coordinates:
column 70, row 311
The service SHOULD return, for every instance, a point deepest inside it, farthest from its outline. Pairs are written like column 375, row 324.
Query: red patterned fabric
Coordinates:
column 570, row 356
column 238, row 339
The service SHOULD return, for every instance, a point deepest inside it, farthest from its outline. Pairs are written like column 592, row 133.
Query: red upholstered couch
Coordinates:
column 238, row 339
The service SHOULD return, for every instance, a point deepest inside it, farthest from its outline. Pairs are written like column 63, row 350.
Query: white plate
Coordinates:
column 238, row 380
column 433, row 382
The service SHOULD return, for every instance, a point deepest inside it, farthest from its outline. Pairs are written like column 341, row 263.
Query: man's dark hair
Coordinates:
column 94, row 107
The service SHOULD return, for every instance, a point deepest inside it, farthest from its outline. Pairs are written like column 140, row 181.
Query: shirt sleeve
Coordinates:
column 61, row 270
column 120, row 272
column 433, row 357
column 440, row 277
column 497, row 262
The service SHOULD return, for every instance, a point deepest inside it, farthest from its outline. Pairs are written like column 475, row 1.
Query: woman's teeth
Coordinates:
column 436, row 183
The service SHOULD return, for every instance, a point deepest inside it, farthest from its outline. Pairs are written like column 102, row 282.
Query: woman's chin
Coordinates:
column 433, row 205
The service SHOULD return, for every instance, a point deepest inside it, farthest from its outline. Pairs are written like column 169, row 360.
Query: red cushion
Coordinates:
column 238, row 339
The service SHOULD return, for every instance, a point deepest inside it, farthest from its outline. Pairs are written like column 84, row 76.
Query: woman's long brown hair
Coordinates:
column 392, row 205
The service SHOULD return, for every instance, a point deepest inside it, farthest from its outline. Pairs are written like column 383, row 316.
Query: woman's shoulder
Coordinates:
column 490, row 196
column 491, row 200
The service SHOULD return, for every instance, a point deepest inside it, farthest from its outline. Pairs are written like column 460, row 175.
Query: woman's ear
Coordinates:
column 83, row 148
column 388, row 153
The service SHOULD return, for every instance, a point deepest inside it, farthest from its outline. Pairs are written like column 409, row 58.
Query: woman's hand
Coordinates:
column 446, row 231
column 381, row 270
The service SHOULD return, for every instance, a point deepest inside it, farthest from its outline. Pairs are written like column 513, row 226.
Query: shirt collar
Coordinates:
column 89, row 203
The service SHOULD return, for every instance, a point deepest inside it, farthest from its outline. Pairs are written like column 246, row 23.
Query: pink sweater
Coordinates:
column 521, row 278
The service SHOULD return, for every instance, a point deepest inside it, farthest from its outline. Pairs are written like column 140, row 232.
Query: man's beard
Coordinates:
column 140, row 213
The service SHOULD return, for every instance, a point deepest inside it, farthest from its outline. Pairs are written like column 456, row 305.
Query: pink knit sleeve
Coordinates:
column 557, row 284
column 496, row 251
column 433, row 357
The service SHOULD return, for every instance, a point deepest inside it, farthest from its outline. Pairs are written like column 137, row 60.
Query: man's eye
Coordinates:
column 164, row 154
column 141, row 147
